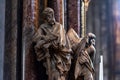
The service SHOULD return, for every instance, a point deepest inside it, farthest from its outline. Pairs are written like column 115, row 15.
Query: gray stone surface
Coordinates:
column 2, row 21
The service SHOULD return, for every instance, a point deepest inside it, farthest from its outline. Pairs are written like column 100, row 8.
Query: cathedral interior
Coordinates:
column 18, row 19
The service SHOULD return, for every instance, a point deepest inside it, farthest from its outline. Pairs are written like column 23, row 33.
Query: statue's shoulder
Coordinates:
column 58, row 24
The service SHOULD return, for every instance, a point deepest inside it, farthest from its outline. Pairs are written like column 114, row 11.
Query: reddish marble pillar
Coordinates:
column 54, row 4
column 73, row 15
column 32, row 12
column 35, row 13
column 58, row 7
column 29, row 23
column 61, row 12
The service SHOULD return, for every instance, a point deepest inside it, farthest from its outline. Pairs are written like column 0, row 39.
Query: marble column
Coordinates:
column 73, row 15
column 58, row 7
column 42, row 5
column 32, row 13
column 61, row 2
column 35, row 13
column 28, row 61
column 54, row 4
column 10, row 51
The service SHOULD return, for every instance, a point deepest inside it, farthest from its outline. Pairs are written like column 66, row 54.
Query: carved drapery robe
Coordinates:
column 53, row 39
column 82, row 63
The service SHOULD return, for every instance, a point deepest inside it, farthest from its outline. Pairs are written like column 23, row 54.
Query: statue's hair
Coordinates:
column 48, row 10
column 91, row 35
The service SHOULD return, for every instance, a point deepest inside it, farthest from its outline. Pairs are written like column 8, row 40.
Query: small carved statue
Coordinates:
column 53, row 47
column 83, row 53
column 85, row 56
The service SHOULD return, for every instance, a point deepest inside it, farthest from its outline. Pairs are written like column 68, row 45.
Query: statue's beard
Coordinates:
column 51, row 21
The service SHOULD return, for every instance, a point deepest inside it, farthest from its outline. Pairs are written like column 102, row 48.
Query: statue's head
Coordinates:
column 48, row 15
column 91, row 39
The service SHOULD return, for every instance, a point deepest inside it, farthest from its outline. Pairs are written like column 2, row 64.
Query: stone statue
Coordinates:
column 84, row 51
column 86, row 58
column 53, row 47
